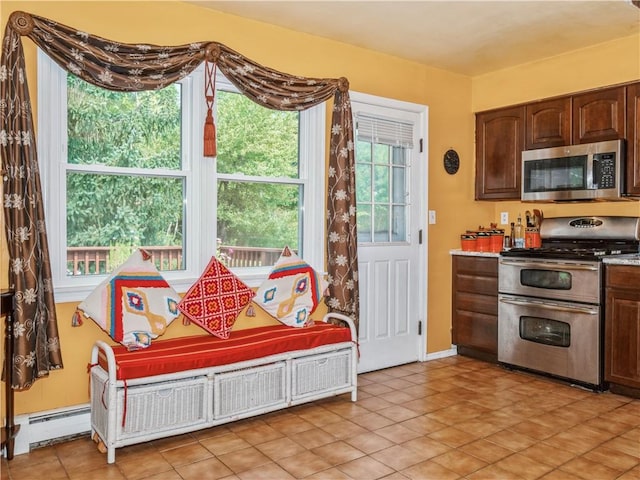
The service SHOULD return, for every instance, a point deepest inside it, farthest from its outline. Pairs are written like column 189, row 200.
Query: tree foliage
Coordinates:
column 142, row 130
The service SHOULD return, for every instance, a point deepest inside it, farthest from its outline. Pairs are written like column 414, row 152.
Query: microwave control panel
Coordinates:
column 604, row 170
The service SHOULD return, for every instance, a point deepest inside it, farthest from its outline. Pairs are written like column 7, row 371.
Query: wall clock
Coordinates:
column 451, row 161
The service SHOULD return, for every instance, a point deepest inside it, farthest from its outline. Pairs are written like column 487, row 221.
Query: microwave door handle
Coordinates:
column 594, row 178
column 551, row 306
column 550, row 266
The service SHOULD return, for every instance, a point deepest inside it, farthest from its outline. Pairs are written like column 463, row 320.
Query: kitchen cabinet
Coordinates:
column 548, row 123
column 622, row 329
column 599, row 115
column 475, row 306
column 633, row 139
column 499, row 144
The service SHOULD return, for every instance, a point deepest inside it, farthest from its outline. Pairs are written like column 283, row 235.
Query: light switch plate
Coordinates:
column 432, row 217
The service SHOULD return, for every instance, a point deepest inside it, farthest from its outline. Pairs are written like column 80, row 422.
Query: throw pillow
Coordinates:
column 292, row 290
column 135, row 304
column 216, row 299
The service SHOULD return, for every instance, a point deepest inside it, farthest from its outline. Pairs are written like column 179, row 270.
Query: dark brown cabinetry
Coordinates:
column 475, row 306
column 622, row 329
column 633, row 139
column 599, row 115
column 499, row 145
column 548, row 123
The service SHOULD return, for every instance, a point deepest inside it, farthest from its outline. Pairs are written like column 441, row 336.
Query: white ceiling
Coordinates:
column 469, row 37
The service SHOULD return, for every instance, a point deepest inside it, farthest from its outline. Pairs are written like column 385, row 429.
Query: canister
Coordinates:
column 497, row 239
column 468, row 242
column 483, row 242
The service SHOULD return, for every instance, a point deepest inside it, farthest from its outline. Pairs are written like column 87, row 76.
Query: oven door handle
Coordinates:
column 552, row 266
column 550, row 306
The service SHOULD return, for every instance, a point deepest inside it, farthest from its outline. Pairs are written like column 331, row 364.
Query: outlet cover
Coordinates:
column 432, row 217
column 504, row 218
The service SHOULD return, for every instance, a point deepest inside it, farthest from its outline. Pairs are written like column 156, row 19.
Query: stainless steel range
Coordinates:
column 551, row 313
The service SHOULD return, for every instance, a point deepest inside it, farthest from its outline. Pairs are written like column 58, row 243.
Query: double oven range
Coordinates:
column 551, row 299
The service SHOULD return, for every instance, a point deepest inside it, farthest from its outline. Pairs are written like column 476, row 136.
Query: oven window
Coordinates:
column 545, row 331
column 550, row 279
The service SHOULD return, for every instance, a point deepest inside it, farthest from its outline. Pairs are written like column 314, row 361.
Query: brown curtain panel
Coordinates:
column 130, row 67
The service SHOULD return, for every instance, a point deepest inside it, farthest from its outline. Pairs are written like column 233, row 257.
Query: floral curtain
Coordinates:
column 130, row 67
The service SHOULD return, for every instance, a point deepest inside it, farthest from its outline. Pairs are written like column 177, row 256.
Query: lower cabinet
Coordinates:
column 622, row 329
column 475, row 306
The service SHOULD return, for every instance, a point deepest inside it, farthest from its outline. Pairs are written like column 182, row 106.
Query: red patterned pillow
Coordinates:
column 216, row 299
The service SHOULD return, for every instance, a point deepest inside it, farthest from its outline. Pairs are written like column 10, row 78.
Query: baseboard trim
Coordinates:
column 52, row 426
column 443, row 353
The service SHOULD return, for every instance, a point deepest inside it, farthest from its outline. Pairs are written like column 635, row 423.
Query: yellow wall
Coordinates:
column 451, row 98
column 450, row 125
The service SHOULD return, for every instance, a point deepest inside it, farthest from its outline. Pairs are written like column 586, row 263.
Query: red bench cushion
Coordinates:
column 188, row 353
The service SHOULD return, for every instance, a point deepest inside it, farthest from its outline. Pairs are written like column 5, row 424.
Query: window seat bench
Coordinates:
column 185, row 384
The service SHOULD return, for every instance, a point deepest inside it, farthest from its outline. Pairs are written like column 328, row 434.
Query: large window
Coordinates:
column 122, row 170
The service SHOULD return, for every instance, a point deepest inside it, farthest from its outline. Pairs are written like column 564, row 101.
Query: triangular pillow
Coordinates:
column 135, row 304
column 292, row 290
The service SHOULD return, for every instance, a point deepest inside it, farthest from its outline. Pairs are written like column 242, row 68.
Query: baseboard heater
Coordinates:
column 49, row 427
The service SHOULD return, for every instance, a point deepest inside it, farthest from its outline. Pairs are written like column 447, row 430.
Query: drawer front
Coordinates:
column 252, row 389
column 316, row 374
column 622, row 276
column 162, row 406
column 473, row 284
column 481, row 266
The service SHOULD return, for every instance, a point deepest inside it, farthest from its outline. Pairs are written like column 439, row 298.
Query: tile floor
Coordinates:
column 443, row 419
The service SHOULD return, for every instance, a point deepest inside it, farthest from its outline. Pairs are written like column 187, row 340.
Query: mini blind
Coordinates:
column 384, row 130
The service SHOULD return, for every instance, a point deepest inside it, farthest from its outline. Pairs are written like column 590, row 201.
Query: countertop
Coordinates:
column 632, row 259
column 457, row 251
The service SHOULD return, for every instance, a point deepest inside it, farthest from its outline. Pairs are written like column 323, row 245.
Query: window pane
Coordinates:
column 381, row 192
column 381, row 222
column 363, row 181
column 123, row 129
column 399, row 154
column 363, row 151
column 381, row 153
column 108, row 216
column 364, row 222
column 399, row 190
column 255, row 140
column 398, row 232
column 256, row 221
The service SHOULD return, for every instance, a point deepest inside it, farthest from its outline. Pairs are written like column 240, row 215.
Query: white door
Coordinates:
column 391, row 195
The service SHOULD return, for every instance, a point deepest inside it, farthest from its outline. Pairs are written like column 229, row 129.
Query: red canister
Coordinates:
column 468, row 242
column 483, row 242
column 532, row 238
column 497, row 240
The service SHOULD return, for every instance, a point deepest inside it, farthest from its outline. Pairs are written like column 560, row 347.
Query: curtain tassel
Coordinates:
column 210, row 149
column 209, row 136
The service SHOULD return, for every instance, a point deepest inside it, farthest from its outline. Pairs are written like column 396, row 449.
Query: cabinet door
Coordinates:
column 499, row 145
column 622, row 326
column 633, row 139
column 599, row 115
column 548, row 123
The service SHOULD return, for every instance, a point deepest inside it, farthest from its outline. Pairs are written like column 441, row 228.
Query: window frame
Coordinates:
column 199, row 174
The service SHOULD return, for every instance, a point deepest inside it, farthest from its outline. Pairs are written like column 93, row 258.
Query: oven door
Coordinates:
column 568, row 280
column 557, row 338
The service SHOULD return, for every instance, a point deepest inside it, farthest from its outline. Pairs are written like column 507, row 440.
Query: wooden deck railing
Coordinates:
column 97, row 260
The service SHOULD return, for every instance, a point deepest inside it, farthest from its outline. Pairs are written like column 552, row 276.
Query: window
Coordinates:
column 383, row 152
column 122, row 170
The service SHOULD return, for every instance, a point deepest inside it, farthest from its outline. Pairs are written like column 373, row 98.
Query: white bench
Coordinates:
column 135, row 410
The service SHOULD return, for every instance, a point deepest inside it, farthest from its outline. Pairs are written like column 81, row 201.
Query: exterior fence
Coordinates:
column 99, row 260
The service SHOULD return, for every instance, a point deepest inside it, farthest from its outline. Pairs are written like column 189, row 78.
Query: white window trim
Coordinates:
column 200, row 175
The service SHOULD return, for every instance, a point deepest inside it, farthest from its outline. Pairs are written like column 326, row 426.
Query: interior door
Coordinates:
column 391, row 194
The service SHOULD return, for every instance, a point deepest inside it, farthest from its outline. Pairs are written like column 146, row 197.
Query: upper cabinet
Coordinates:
column 599, row 115
column 499, row 145
column 633, row 139
column 594, row 116
column 548, row 123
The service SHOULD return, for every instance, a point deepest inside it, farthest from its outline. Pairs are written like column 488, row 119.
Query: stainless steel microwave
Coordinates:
column 591, row 171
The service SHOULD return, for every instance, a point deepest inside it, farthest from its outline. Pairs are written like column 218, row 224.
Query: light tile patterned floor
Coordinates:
column 444, row 419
